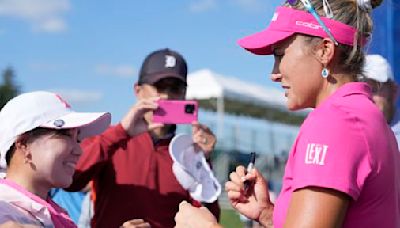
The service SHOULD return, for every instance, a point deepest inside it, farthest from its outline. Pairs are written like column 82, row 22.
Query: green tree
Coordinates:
column 8, row 88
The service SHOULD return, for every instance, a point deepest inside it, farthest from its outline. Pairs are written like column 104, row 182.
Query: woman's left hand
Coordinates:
column 193, row 217
column 136, row 223
column 203, row 138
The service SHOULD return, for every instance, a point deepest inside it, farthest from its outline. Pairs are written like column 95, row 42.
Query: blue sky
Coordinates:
column 90, row 51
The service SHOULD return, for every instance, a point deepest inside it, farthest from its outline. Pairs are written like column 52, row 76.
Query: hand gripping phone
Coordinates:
column 175, row 112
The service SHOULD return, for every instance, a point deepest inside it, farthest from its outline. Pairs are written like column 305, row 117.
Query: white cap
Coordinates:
column 192, row 170
column 44, row 109
column 377, row 68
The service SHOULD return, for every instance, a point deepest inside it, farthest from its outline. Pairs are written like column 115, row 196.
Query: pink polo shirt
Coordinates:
column 21, row 206
column 345, row 144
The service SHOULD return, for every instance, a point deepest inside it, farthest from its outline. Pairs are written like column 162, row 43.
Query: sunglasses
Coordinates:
column 311, row 10
column 174, row 86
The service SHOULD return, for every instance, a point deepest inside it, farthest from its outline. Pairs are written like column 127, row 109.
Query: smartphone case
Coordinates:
column 176, row 112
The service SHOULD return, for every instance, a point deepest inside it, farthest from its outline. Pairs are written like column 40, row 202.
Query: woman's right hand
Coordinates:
column 255, row 202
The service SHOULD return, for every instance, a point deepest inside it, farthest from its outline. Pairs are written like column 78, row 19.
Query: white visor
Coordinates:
column 192, row 170
column 44, row 109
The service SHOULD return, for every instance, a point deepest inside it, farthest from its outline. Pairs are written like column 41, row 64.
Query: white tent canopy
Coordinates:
column 205, row 84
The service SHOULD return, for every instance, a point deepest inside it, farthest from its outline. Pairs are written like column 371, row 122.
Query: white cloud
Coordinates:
column 52, row 25
column 74, row 96
column 252, row 5
column 43, row 15
column 203, row 5
column 117, row 70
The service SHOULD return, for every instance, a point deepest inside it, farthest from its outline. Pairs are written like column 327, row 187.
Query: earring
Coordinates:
column 325, row 72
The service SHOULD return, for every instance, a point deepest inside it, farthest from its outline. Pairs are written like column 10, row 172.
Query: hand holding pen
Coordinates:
column 255, row 202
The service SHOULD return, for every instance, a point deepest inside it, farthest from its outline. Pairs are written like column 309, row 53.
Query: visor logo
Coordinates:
column 308, row 25
column 59, row 123
column 275, row 17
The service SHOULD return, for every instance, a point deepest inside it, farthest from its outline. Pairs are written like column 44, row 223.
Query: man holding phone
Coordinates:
column 130, row 164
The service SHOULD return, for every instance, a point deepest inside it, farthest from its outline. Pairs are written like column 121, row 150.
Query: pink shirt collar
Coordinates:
column 45, row 210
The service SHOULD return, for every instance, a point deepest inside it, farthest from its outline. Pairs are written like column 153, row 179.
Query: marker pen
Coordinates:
column 250, row 166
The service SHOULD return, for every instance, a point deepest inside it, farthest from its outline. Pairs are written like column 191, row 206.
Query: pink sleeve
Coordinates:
column 332, row 153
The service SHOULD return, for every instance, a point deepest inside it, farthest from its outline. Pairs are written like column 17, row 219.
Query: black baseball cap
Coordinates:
column 163, row 63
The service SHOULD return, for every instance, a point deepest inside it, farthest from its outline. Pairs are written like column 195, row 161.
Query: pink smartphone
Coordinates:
column 175, row 112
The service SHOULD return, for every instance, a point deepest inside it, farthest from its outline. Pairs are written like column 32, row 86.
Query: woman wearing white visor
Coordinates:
column 39, row 146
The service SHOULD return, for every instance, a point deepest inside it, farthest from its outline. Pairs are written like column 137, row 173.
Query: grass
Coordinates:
column 230, row 219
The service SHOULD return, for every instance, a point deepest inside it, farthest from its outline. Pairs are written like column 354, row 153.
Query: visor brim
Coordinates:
column 261, row 43
column 89, row 124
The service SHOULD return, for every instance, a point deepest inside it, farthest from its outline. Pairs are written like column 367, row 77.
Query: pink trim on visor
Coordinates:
column 286, row 22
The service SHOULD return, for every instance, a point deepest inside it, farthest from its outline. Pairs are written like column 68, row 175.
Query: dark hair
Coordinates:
column 30, row 136
column 351, row 58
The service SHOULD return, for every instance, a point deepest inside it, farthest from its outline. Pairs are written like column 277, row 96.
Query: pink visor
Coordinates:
column 286, row 22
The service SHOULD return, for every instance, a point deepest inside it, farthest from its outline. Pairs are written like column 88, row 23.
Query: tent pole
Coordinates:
column 220, row 116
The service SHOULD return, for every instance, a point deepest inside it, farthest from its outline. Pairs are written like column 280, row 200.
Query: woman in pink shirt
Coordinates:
column 343, row 169
column 39, row 146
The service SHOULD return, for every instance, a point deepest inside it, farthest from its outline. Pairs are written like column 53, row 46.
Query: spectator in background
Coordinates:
column 39, row 136
column 343, row 169
column 129, row 163
column 78, row 205
column 379, row 75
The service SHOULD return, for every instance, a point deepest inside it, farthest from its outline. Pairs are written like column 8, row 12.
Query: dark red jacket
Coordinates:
column 132, row 178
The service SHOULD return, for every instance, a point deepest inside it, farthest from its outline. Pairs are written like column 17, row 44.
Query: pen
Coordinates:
column 250, row 166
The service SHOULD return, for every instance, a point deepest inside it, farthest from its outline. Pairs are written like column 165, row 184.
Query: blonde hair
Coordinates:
column 351, row 58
